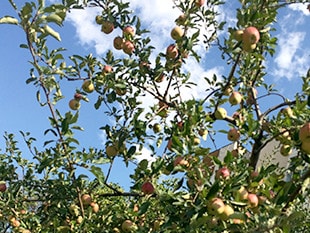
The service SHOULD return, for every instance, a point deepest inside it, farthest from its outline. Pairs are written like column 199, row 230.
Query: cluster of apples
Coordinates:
column 87, row 86
column 249, row 38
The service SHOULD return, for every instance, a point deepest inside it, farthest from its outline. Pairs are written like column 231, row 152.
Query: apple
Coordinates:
column 199, row 3
column 177, row 33
column 241, row 194
column 250, row 35
column 305, row 146
column 180, row 161
column 220, row 113
column 74, row 209
column 227, row 212
column 111, row 151
column 99, row 19
column 238, row 34
column 118, row 43
column 128, row 47
column 116, row 230
column 147, row 188
column 217, row 206
column 252, row 200
column 304, row 132
column 233, row 135
column 181, row 19
column 78, row 96
column 196, row 141
column 95, row 207
column 88, row 86
column 248, row 47
column 286, row 150
column 14, row 222
column 128, row 31
column 135, row 208
column 107, row 69
column 172, row 51
column 128, row 226
column 74, row 104
column 107, row 27
column 79, row 219
column 156, row 128
column 2, row 187
column 235, row 98
column 222, row 173
column 203, row 133
column 86, row 199
column 228, row 90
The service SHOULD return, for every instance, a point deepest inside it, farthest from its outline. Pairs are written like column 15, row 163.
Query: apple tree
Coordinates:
column 65, row 186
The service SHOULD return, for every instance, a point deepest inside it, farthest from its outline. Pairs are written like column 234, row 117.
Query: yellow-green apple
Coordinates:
column 304, row 132
column 74, row 210
column 156, row 128
column 305, row 146
column 86, row 199
column 252, row 200
column 128, row 47
column 111, row 151
column 99, row 19
column 79, row 219
column 248, row 47
column 107, row 27
column 2, row 187
column 95, row 207
column 172, row 51
column 147, row 188
column 196, row 141
column 238, row 34
column 74, row 104
column 286, row 150
column 118, row 42
column 241, row 194
column 250, row 35
column 220, row 113
column 128, row 226
column 233, row 135
column 177, row 33
column 235, row 98
column 223, row 172
column 88, row 86
column 216, row 206
column 227, row 212
column 180, row 161
column 128, row 31
column 199, row 3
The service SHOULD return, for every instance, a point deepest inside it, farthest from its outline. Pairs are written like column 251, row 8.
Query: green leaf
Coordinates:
column 8, row 20
column 98, row 174
column 213, row 190
column 52, row 32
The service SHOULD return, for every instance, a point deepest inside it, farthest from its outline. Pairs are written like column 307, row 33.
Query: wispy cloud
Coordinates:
column 300, row 7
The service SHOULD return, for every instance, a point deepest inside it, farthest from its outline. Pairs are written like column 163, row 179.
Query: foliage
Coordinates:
column 45, row 192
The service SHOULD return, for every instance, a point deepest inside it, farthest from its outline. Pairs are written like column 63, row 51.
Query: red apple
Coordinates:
column 118, row 42
column 147, row 188
column 233, row 135
column 252, row 200
column 250, row 35
column 235, row 98
column 107, row 27
column 86, row 199
column 180, row 161
column 128, row 47
column 222, row 173
column 172, row 51
column 128, row 31
column 216, row 206
column 199, row 3
column 95, row 207
column 2, row 187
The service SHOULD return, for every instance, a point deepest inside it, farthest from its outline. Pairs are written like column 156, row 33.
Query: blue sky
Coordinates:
column 20, row 110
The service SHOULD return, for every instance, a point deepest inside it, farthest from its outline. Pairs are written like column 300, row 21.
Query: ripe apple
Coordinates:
column 107, row 69
column 233, row 135
column 286, row 150
column 227, row 212
column 88, row 86
column 107, row 27
column 128, row 226
column 217, row 206
column 235, row 98
column 305, row 146
column 2, row 187
column 118, row 43
column 78, row 96
column 86, row 199
column 250, row 35
column 199, row 3
column 223, row 172
column 180, row 161
column 252, row 200
column 14, row 222
column 74, row 104
column 241, row 194
column 238, row 34
column 248, row 47
column 172, row 51
column 111, row 151
column 128, row 31
column 156, row 128
column 177, row 33
column 95, row 207
column 304, row 132
column 220, row 113
column 147, row 188
column 128, row 47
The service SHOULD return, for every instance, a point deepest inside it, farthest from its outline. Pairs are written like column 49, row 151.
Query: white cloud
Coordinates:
column 145, row 154
column 300, row 7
